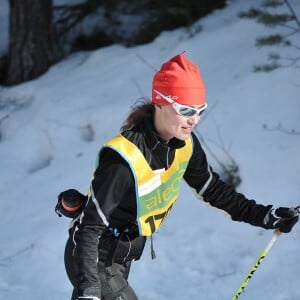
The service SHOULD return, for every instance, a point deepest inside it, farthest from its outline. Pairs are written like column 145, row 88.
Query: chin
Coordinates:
column 183, row 137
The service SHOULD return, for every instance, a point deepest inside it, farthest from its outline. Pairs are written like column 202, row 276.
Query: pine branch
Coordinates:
column 272, row 3
column 252, row 13
column 273, row 20
column 270, row 40
column 266, row 67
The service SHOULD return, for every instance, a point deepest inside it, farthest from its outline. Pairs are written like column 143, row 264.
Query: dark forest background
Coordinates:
column 42, row 33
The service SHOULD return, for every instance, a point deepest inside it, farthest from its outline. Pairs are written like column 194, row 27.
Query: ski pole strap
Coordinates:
column 297, row 210
column 256, row 265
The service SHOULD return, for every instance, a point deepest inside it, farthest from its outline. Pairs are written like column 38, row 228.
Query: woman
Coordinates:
column 136, row 182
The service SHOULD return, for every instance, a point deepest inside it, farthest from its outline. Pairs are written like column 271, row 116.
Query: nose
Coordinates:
column 193, row 119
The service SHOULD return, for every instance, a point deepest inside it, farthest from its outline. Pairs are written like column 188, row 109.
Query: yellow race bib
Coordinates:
column 156, row 191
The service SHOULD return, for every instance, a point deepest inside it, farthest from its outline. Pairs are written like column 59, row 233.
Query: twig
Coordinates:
column 147, row 63
column 292, row 12
column 280, row 128
column 19, row 252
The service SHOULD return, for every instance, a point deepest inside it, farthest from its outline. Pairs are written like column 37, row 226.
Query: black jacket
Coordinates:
column 113, row 203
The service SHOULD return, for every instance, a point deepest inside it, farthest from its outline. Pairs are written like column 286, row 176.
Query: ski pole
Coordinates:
column 256, row 265
column 296, row 211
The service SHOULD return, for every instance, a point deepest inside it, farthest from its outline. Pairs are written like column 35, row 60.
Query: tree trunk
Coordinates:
column 31, row 40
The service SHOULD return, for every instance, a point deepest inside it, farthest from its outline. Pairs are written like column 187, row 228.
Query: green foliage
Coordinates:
column 227, row 168
column 272, row 3
column 272, row 20
column 267, row 18
column 274, row 57
column 269, row 40
column 268, row 67
column 252, row 13
column 230, row 175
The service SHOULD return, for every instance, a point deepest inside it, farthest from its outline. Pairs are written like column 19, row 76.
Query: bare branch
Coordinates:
column 4, row 260
column 292, row 12
column 280, row 128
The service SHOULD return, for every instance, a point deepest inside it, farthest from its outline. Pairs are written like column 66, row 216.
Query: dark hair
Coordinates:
column 141, row 109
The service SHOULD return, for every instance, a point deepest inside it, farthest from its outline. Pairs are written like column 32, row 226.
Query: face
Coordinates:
column 169, row 123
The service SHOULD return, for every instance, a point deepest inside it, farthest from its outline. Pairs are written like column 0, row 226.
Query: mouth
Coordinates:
column 187, row 129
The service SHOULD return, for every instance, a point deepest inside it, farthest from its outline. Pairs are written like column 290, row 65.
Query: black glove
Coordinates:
column 70, row 203
column 283, row 218
column 87, row 298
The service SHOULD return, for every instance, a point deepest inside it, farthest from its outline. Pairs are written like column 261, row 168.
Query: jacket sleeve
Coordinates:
column 111, row 179
column 210, row 188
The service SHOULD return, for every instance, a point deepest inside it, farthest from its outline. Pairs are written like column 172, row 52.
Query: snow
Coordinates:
column 51, row 129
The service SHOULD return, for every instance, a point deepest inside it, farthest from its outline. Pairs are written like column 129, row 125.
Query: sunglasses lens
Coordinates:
column 187, row 111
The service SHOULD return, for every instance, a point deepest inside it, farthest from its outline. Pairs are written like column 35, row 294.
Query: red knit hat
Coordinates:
column 180, row 80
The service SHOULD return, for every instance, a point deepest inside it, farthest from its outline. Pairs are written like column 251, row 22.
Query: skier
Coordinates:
column 136, row 182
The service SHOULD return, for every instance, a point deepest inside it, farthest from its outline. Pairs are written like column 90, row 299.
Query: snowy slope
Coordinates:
column 51, row 129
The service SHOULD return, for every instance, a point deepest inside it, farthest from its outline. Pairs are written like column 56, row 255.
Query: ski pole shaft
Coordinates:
column 256, row 265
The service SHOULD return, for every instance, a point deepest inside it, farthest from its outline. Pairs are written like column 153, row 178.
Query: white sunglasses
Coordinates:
column 183, row 110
